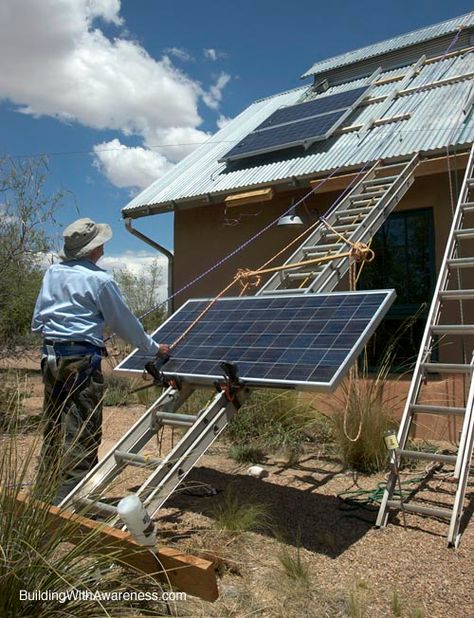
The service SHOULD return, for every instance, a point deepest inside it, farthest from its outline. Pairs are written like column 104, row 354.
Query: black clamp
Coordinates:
column 154, row 366
column 232, row 383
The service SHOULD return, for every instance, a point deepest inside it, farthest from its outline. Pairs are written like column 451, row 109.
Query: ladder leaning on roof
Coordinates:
column 451, row 289
column 356, row 217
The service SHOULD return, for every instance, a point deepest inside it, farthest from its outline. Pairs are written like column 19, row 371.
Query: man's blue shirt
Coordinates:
column 78, row 299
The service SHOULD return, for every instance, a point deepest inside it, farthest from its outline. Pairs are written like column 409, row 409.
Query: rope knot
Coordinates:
column 360, row 252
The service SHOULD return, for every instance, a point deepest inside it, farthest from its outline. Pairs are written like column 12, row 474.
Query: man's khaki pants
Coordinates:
column 72, row 416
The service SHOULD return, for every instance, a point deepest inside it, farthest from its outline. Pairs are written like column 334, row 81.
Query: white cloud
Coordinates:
column 222, row 121
column 137, row 262
column 213, row 97
column 213, row 54
column 128, row 166
column 55, row 61
column 180, row 53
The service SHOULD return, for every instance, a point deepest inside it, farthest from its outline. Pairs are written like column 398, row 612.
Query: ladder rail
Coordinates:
column 369, row 222
column 317, row 233
column 427, row 339
column 187, row 452
column 132, row 442
column 464, row 461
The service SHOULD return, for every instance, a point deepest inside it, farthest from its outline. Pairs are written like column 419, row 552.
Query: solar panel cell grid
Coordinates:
column 303, row 341
column 315, row 107
column 295, row 124
column 286, row 135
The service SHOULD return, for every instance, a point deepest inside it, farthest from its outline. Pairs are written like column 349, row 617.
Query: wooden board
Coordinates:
column 249, row 197
column 191, row 574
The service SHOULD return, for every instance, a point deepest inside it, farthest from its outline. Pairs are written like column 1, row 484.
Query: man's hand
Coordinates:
column 163, row 351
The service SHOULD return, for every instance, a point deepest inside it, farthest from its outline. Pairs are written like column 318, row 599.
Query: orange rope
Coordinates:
column 359, row 252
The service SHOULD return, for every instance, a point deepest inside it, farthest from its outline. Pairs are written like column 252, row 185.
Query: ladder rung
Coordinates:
column 357, row 210
column 421, row 509
column 376, row 192
column 360, row 199
column 453, row 329
column 348, row 218
column 319, row 254
column 381, row 180
column 457, row 294
column 345, row 228
column 179, row 420
column 470, row 182
column 323, row 249
column 428, row 456
column 97, row 506
column 390, row 166
column 421, row 408
column 132, row 459
column 302, row 275
column 461, row 262
column 285, row 291
column 466, row 234
column 447, row 367
column 468, row 206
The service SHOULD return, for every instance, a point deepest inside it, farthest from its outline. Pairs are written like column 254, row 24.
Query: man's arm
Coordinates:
column 36, row 323
column 120, row 319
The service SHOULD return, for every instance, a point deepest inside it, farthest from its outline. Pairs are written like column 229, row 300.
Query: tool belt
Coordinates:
column 71, row 373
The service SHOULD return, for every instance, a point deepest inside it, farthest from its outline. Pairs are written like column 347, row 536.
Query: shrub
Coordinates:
column 271, row 422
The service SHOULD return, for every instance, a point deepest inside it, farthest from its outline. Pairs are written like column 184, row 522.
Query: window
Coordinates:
column 404, row 260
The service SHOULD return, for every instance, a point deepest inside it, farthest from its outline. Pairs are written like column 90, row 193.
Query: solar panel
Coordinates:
column 306, row 342
column 315, row 107
column 287, row 135
column 298, row 125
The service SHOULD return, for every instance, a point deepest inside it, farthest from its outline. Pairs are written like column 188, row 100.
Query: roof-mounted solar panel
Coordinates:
column 306, row 342
column 299, row 125
column 322, row 105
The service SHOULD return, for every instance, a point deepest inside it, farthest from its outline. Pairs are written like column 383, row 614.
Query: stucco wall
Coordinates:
column 205, row 235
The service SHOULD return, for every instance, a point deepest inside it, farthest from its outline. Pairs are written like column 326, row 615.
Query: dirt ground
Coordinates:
column 350, row 568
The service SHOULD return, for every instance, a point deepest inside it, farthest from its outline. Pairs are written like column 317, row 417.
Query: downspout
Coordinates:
column 162, row 250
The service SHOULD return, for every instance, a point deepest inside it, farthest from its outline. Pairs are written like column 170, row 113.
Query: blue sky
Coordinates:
column 117, row 92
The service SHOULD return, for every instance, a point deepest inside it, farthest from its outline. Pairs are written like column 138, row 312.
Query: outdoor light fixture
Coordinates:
column 291, row 218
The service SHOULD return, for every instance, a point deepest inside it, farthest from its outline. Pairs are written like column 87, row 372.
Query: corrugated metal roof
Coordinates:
column 436, row 122
column 398, row 42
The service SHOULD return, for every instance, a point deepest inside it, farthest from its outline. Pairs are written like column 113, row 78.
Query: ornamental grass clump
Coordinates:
column 363, row 413
column 43, row 574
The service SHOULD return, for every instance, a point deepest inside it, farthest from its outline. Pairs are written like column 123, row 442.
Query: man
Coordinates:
column 76, row 301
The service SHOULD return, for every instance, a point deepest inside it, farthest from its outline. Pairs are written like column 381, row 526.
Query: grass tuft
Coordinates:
column 396, row 605
column 232, row 515
column 272, row 422
column 35, row 554
column 246, row 453
column 293, row 565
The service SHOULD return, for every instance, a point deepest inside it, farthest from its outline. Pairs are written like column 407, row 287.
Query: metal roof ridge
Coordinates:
column 405, row 35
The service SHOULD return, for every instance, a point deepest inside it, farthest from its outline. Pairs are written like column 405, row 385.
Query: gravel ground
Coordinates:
column 351, row 569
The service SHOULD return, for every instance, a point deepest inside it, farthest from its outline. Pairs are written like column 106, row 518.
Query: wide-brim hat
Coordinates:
column 82, row 236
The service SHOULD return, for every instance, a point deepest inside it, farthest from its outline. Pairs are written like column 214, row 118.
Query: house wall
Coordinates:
column 205, row 235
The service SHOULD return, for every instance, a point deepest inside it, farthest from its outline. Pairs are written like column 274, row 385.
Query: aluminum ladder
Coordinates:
column 451, row 298
column 357, row 216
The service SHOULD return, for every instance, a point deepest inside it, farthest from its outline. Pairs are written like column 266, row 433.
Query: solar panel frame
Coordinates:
column 238, row 152
column 289, row 135
column 314, row 107
column 223, row 336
